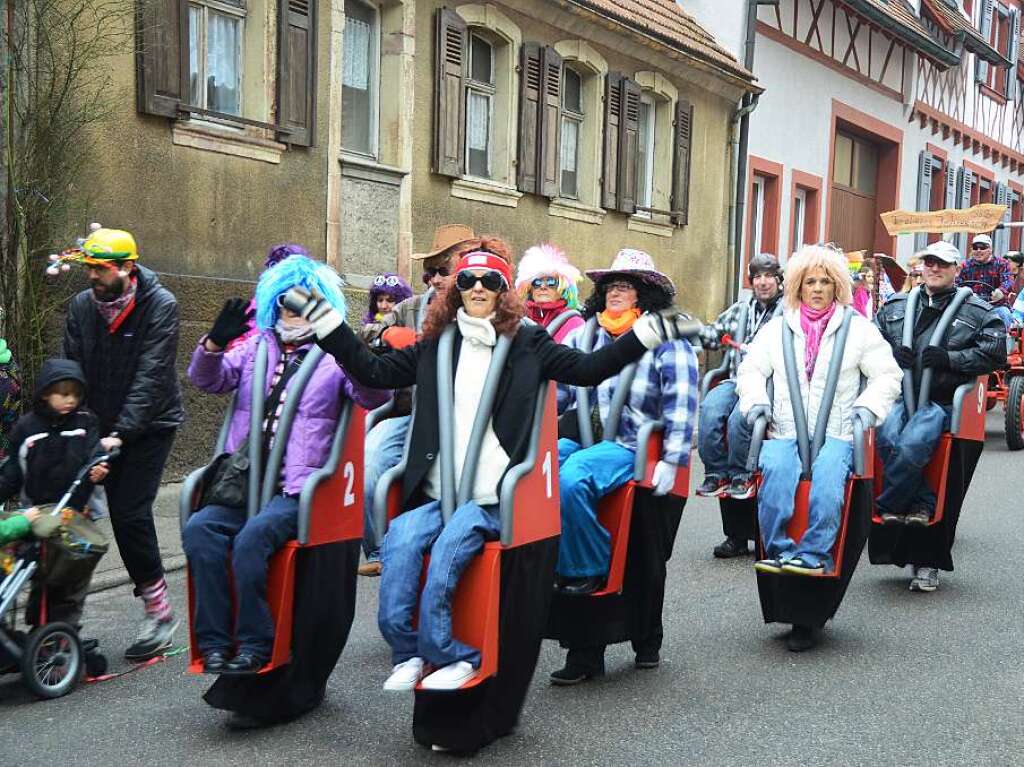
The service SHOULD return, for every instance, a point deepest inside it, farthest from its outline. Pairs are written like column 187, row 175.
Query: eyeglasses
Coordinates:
column 934, row 262
column 620, row 287
column 429, row 272
column 545, row 282
column 491, row 280
column 380, row 281
column 980, row 246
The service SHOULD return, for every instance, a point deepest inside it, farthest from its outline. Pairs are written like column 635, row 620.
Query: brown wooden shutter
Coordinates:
column 681, row 163
column 450, row 60
column 612, row 119
column 629, row 145
column 161, row 62
column 296, row 70
column 550, row 125
column 531, row 76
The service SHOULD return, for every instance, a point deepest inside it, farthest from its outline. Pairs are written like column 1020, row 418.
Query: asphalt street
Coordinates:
column 900, row 678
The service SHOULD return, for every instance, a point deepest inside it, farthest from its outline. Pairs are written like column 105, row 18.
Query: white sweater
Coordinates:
column 867, row 353
column 478, row 340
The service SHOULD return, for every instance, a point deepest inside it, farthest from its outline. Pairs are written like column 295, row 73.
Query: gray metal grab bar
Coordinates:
column 225, row 427
column 378, row 414
column 796, row 400
column 323, row 474
column 908, row 340
column 507, row 494
column 643, row 434
column 859, row 449
column 421, row 315
column 959, row 395
column 485, row 410
column 284, row 424
column 258, row 402
column 623, row 386
column 583, row 393
column 835, row 365
column 561, row 319
column 962, row 294
column 446, row 420
column 387, row 479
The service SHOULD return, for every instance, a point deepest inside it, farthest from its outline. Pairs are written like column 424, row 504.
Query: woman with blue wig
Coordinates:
column 216, row 534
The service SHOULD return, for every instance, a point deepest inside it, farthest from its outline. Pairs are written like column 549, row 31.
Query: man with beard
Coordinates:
column 123, row 331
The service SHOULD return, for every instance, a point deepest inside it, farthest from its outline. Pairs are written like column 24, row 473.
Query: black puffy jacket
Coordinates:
column 48, row 449
column 133, row 383
column 976, row 339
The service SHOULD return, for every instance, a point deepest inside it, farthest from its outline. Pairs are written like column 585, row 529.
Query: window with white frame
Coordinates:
column 480, row 91
column 572, row 130
column 799, row 217
column 360, row 83
column 215, row 55
column 757, row 200
column 645, row 155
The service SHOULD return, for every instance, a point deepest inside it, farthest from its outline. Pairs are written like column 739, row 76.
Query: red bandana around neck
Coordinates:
column 543, row 312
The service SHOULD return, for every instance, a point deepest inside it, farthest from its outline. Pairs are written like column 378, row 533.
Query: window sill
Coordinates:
column 368, row 169
column 993, row 94
column 485, row 191
column 574, row 210
column 650, row 226
column 208, row 138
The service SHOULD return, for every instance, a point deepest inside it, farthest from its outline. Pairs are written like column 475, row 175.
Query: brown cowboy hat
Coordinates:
column 445, row 237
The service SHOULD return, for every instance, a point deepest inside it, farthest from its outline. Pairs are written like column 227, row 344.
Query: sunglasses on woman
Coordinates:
column 491, row 280
column 429, row 272
column 545, row 282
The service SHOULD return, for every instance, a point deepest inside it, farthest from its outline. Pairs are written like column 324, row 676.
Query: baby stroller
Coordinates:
column 50, row 656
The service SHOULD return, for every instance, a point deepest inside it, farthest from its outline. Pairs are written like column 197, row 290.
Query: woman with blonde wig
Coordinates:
column 547, row 283
column 817, row 298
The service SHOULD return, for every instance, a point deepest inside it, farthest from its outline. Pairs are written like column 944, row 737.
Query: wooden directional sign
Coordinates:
column 980, row 218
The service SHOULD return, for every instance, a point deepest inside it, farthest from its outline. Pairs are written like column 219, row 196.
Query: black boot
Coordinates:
column 581, row 664
column 802, row 638
column 731, row 547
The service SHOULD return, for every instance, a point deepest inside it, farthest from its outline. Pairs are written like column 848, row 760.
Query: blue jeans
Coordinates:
column 451, row 547
column 384, row 446
column 724, row 441
column 906, row 447
column 210, row 535
column 780, row 473
column 585, row 476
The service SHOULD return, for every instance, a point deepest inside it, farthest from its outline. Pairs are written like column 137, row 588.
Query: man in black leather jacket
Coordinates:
column 123, row 331
column 974, row 345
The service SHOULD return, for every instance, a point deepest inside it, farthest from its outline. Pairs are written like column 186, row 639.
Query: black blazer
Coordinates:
column 534, row 357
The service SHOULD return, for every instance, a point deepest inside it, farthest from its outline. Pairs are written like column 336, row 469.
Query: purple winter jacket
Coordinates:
column 316, row 418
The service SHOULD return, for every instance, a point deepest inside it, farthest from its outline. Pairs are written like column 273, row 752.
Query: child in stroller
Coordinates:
column 54, row 463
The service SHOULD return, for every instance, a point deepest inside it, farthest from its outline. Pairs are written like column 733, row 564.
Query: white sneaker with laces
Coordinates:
column 405, row 675
column 926, row 579
column 451, row 677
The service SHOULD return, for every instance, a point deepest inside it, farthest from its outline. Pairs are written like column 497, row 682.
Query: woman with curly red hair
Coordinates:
column 482, row 306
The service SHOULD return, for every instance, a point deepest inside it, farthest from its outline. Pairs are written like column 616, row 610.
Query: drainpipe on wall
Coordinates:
column 736, row 232
column 749, row 103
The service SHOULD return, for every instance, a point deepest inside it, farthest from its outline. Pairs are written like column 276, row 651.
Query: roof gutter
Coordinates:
column 924, row 43
column 976, row 46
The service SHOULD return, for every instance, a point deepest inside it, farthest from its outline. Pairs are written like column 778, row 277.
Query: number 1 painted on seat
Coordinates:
column 546, row 468
column 350, row 479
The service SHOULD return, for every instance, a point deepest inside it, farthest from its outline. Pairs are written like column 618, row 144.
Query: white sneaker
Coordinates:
column 404, row 676
column 451, row 677
column 925, row 579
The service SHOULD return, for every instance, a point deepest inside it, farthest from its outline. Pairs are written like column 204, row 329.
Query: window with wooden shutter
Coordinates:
column 1001, row 238
column 612, row 124
column 629, row 144
column 530, row 87
column 550, row 124
column 965, row 188
column 296, row 71
column 924, row 192
column 449, row 76
column 681, row 163
column 951, row 182
column 981, row 66
column 161, row 61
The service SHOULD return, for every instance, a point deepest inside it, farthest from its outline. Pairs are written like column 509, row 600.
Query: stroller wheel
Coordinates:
column 52, row 662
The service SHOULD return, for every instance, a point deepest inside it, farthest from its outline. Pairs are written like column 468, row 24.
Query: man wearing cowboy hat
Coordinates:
column 386, row 441
column 123, row 331
column 664, row 388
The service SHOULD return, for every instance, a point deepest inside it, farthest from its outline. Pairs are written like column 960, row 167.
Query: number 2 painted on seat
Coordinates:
column 350, row 480
column 546, row 468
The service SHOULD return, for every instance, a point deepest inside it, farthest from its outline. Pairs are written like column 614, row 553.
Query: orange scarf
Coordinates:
column 617, row 323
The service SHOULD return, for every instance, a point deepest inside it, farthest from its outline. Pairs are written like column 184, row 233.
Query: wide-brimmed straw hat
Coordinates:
column 446, row 237
column 635, row 263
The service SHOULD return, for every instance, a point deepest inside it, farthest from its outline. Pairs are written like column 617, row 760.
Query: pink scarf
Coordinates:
column 813, row 322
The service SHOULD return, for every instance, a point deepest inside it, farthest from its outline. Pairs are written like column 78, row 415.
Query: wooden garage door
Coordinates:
column 854, row 181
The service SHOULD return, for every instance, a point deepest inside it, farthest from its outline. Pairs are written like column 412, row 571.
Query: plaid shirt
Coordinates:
column 994, row 273
column 758, row 315
column 664, row 388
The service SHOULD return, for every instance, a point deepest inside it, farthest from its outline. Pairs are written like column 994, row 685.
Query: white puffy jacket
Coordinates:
column 867, row 353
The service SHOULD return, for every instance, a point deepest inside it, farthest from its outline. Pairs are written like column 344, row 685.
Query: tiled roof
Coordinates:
column 901, row 20
column 952, row 21
column 666, row 21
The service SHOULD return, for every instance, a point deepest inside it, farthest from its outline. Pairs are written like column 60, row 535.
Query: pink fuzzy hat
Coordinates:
column 545, row 259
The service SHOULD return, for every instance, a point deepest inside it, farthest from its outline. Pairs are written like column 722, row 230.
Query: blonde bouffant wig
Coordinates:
column 823, row 257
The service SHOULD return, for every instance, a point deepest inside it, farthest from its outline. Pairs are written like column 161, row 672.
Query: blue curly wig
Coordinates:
column 289, row 273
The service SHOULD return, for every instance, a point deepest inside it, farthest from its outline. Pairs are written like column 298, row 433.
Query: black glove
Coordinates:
column 935, row 357
column 904, row 356
column 232, row 322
